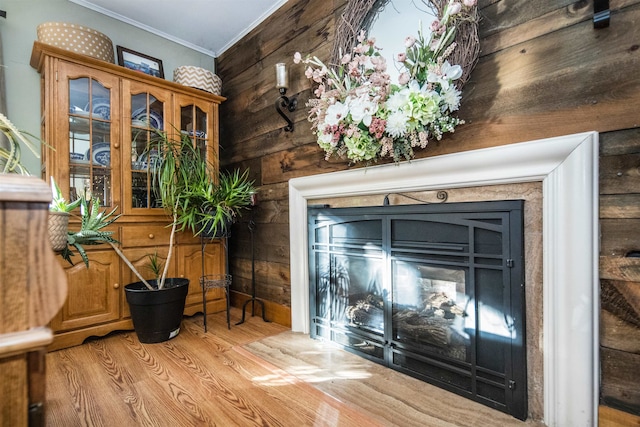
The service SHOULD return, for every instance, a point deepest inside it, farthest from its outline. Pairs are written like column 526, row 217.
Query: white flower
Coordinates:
column 362, row 109
column 445, row 74
column 452, row 72
column 336, row 112
column 297, row 57
column 455, row 8
column 396, row 124
column 451, row 98
column 414, row 86
column 398, row 99
column 325, row 139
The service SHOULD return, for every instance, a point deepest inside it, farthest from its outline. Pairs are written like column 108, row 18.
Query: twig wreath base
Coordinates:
column 360, row 115
column 360, row 14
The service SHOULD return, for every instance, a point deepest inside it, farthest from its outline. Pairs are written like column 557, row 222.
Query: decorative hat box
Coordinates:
column 76, row 38
column 197, row 77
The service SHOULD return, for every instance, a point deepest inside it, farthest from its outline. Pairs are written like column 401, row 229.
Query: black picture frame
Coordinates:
column 140, row 62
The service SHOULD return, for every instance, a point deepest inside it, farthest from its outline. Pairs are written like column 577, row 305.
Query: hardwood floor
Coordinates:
column 195, row 379
column 256, row 373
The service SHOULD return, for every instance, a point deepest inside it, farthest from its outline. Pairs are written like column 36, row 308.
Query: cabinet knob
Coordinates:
column 116, row 285
column 116, row 145
column 151, row 236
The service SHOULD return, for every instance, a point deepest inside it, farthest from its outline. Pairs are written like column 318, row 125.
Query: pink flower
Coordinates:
column 401, row 57
column 409, row 41
column 379, row 63
column 455, row 8
column 438, row 28
column 308, row 72
column 360, row 49
column 297, row 58
column 469, row 3
column 346, row 58
column 317, row 75
column 403, row 79
column 379, row 79
column 353, row 71
column 377, row 127
column 319, row 91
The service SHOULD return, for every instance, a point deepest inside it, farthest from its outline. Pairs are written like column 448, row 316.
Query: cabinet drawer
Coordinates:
column 145, row 235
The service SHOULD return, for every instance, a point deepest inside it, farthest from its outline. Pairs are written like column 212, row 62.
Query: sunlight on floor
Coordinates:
column 312, row 374
column 299, row 372
column 327, row 416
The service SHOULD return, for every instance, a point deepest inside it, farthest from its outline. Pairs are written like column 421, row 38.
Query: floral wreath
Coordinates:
column 359, row 114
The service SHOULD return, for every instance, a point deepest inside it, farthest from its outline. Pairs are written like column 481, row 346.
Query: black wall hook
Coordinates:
column 601, row 13
column 289, row 104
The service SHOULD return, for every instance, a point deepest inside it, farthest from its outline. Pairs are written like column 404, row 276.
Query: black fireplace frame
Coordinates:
column 416, row 358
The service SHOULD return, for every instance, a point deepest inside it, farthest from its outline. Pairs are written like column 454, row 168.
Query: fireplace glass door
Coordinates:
column 434, row 291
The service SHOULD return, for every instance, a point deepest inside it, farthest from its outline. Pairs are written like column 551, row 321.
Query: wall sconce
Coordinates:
column 601, row 14
column 282, row 82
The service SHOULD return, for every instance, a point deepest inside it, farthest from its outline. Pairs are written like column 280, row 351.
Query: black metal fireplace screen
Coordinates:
column 435, row 291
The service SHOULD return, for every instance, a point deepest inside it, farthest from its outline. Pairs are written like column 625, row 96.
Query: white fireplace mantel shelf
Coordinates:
column 567, row 166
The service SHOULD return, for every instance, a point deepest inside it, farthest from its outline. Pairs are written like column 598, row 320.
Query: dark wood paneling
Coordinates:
column 625, row 141
column 620, row 206
column 544, row 71
column 622, row 299
column 620, row 379
column 619, row 236
column 620, row 174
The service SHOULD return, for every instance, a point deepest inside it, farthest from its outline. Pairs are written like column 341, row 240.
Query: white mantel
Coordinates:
column 567, row 166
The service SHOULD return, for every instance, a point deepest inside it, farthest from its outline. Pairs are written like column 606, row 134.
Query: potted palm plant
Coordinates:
column 197, row 199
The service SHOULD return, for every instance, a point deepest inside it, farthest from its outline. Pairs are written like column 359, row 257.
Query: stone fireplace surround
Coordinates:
column 567, row 166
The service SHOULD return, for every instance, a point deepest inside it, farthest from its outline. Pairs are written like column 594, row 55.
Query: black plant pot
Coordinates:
column 157, row 314
column 224, row 230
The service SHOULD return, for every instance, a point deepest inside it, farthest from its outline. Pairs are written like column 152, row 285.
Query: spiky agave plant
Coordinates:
column 58, row 202
column 93, row 222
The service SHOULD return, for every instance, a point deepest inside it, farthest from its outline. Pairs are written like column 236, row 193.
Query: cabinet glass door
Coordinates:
column 147, row 110
column 193, row 122
column 90, row 130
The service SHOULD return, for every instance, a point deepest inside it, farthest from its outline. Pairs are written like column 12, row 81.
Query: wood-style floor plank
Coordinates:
column 389, row 397
column 195, row 379
column 256, row 374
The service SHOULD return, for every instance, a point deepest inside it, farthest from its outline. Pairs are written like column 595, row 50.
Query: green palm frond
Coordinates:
column 10, row 158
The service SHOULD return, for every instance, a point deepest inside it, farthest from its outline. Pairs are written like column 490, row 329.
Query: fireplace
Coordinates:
column 433, row 290
column 567, row 168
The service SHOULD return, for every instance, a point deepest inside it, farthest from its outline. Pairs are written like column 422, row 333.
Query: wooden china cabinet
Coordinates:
column 98, row 117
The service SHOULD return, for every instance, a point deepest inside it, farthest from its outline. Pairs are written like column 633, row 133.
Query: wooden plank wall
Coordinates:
column 544, row 71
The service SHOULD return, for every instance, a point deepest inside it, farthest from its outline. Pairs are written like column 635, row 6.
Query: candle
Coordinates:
column 282, row 77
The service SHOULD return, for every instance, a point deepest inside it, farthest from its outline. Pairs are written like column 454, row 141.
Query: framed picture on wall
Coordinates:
column 140, row 62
